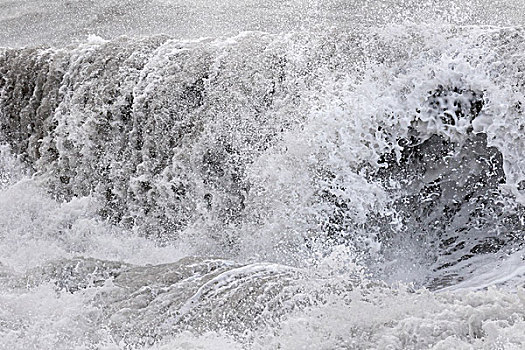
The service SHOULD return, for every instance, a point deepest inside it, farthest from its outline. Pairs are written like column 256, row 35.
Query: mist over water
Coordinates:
column 279, row 175
column 62, row 22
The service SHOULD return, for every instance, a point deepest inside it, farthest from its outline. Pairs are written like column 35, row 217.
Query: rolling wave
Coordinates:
column 323, row 168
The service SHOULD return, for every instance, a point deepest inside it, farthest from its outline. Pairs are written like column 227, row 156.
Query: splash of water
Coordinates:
column 322, row 167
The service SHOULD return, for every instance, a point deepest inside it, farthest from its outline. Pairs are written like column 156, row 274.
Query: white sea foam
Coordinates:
column 346, row 189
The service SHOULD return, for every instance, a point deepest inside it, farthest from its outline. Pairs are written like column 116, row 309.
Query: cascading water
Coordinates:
column 320, row 188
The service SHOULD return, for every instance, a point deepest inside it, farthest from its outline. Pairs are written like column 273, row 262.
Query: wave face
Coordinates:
column 371, row 172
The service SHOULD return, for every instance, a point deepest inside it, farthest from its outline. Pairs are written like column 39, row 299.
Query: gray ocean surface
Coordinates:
column 29, row 22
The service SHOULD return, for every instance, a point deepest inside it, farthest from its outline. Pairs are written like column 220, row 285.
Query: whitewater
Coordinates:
column 262, row 175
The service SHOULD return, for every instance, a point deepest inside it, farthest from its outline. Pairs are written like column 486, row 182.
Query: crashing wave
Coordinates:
column 399, row 150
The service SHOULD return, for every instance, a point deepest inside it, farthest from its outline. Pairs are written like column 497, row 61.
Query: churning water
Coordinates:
column 334, row 176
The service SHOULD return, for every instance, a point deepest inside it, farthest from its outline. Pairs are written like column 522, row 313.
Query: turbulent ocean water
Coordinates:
column 292, row 175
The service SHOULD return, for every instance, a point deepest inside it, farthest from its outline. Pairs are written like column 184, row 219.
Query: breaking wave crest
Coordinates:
column 344, row 189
